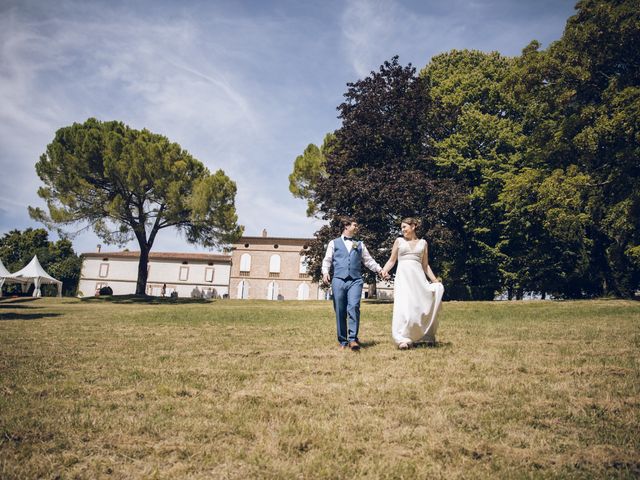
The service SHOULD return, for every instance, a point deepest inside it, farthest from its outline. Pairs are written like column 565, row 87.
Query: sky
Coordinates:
column 243, row 85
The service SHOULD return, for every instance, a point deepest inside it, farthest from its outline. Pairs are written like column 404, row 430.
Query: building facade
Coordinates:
column 187, row 274
column 258, row 268
column 272, row 268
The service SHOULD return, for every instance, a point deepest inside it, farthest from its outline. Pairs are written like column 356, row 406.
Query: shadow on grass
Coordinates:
column 12, row 306
column 26, row 316
column 13, row 300
column 432, row 344
column 145, row 299
column 377, row 301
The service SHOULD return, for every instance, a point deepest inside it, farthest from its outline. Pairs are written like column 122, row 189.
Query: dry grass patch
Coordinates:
column 232, row 389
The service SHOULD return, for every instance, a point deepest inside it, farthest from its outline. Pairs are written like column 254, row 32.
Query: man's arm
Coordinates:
column 369, row 262
column 326, row 263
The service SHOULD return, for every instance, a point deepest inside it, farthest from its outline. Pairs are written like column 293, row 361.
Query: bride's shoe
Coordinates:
column 404, row 346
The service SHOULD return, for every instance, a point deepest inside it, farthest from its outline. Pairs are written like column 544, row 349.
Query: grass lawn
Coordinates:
column 251, row 389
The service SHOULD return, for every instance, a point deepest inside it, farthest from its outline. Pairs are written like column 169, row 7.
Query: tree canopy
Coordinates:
column 379, row 166
column 126, row 183
column 523, row 170
column 308, row 169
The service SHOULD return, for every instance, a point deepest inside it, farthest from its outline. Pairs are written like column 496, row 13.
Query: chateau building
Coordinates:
column 272, row 268
column 258, row 268
column 187, row 274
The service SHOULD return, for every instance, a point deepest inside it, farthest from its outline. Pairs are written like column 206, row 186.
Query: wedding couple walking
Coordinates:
column 415, row 301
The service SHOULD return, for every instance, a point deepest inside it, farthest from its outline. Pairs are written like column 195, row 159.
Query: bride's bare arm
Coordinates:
column 425, row 264
column 392, row 259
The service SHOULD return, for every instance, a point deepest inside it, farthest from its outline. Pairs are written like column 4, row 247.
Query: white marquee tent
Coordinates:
column 4, row 277
column 34, row 273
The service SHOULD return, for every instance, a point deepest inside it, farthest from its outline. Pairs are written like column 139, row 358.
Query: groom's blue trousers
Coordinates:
column 346, row 303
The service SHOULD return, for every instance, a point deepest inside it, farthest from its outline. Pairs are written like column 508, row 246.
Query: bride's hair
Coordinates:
column 411, row 221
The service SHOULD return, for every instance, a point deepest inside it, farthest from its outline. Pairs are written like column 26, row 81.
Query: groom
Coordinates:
column 346, row 255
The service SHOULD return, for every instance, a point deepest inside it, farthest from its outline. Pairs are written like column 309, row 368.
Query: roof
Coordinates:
column 274, row 239
column 5, row 275
column 34, row 270
column 3, row 270
column 208, row 257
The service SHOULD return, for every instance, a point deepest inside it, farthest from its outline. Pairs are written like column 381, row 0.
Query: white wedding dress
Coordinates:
column 415, row 301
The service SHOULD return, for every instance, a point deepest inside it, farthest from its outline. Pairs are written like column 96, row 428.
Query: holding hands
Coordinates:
column 326, row 278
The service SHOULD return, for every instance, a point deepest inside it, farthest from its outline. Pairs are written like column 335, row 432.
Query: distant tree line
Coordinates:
column 524, row 171
column 17, row 248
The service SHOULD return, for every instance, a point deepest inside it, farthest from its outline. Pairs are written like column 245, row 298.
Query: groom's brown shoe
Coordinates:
column 355, row 346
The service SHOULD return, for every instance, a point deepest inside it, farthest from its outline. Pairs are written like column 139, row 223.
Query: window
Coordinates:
column 245, row 262
column 104, row 270
column 303, row 264
column 303, row 291
column 154, row 289
column 184, row 274
column 274, row 264
column 272, row 291
column 208, row 274
column 243, row 289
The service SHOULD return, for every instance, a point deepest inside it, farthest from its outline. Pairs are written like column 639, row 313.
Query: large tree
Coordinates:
column 479, row 141
column 582, row 110
column 127, row 183
column 379, row 166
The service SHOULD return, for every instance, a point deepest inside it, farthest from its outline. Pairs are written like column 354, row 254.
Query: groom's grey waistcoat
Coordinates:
column 346, row 264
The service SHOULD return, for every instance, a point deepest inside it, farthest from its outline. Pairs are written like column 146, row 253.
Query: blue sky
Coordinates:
column 242, row 85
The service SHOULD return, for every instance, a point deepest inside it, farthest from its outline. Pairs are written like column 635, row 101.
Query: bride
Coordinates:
column 415, row 301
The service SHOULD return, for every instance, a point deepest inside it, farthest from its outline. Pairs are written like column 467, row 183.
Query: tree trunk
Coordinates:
column 143, row 271
column 509, row 293
column 519, row 293
column 373, row 290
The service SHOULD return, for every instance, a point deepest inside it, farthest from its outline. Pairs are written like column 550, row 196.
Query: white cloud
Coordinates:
column 375, row 30
column 367, row 27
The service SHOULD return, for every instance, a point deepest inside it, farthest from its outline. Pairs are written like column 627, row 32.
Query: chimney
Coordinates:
column 264, row 233
column 98, row 247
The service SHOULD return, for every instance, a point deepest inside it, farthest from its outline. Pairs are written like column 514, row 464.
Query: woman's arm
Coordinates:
column 392, row 259
column 425, row 264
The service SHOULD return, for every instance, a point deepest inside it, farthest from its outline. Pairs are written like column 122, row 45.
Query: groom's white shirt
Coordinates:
column 367, row 259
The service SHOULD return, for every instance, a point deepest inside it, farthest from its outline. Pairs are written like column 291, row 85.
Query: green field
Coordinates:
column 250, row 389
